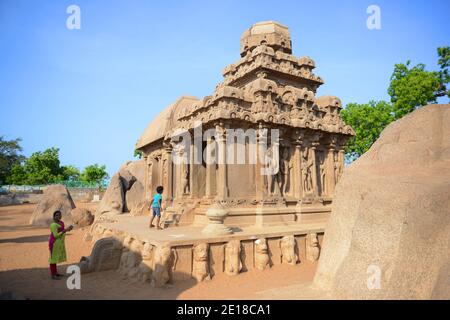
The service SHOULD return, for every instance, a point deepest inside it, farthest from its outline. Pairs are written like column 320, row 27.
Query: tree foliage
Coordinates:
column 368, row 120
column 410, row 87
column 94, row 174
column 9, row 156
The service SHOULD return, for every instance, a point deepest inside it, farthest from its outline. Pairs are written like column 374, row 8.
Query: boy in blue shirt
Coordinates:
column 156, row 207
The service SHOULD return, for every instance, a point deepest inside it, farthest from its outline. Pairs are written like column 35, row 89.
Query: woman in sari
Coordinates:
column 56, row 244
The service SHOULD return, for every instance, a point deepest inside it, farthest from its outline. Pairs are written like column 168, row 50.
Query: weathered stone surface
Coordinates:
column 56, row 197
column 233, row 263
column 114, row 199
column 82, row 217
column 162, row 266
column 105, row 255
column 200, row 268
column 262, row 260
column 135, row 198
column 288, row 250
column 391, row 215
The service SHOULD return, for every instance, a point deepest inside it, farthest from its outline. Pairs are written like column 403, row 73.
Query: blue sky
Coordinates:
column 91, row 92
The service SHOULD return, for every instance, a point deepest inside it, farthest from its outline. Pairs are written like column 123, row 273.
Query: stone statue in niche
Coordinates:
column 200, row 268
column 285, row 170
column 185, row 174
column 338, row 167
column 262, row 260
column 307, row 171
column 288, row 254
column 233, row 264
column 273, row 171
column 162, row 270
column 312, row 247
column 322, row 164
column 146, row 265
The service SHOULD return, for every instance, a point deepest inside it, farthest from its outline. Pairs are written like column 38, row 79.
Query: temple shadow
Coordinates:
column 30, row 239
column 36, row 284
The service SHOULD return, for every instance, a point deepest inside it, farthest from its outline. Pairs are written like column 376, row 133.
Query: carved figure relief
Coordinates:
column 262, row 260
column 233, row 264
column 200, row 268
column 288, row 254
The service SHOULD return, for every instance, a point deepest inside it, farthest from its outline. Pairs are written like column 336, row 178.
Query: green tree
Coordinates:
column 9, row 157
column 70, row 173
column 94, row 174
column 413, row 87
column 43, row 167
column 410, row 88
column 368, row 120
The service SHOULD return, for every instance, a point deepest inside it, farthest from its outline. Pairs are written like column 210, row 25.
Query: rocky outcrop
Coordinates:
column 56, row 197
column 389, row 233
column 125, row 192
column 82, row 217
column 114, row 198
column 105, row 255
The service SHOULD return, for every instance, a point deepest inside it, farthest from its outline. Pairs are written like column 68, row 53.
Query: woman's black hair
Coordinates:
column 160, row 189
column 55, row 213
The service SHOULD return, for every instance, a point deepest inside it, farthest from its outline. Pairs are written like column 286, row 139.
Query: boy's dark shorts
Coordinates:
column 156, row 211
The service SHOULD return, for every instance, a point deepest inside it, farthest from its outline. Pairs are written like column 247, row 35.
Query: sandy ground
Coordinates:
column 24, row 271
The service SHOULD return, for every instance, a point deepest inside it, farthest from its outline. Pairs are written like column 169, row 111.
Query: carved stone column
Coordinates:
column 316, row 170
column 168, row 179
column 261, row 149
column 330, row 166
column 340, row 160
column 179, row 172
column 193, row 171
column 297, row 141
column 222, row 183
column 210, row 168
column 146, row 178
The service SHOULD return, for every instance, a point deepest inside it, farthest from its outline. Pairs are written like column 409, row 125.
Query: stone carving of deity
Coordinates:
column 185, row 173
column 322, row 158
column 338, row 167
column 273, row 171
column 285, row 170
column 307, row 171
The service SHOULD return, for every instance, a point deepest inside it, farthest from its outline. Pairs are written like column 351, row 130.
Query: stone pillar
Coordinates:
column 261, row 149
column 222, row 183
column 330, row 173
column 340, row 161
column 193, row 171
column 210, row 168
column 179, row 172
column 146, row 178
column 298, row 142
column 316, row 170
column 168, row 178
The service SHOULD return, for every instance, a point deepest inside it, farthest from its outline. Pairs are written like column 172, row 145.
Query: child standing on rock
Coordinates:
column 156, row 207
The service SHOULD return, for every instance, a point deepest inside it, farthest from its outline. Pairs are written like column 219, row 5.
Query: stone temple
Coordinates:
column 260, row 160
column 267, row 87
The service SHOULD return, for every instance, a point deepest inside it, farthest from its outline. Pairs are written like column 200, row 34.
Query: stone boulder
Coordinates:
column 135, row 199
column 82, row 217
column 55, row 197
column 389, row 232
column 126, row 191
column 114, row 198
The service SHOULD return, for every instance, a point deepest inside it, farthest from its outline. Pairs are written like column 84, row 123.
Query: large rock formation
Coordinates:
column 125, row 192
column 82, row 217
column 56, row 197
column 389, row 233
